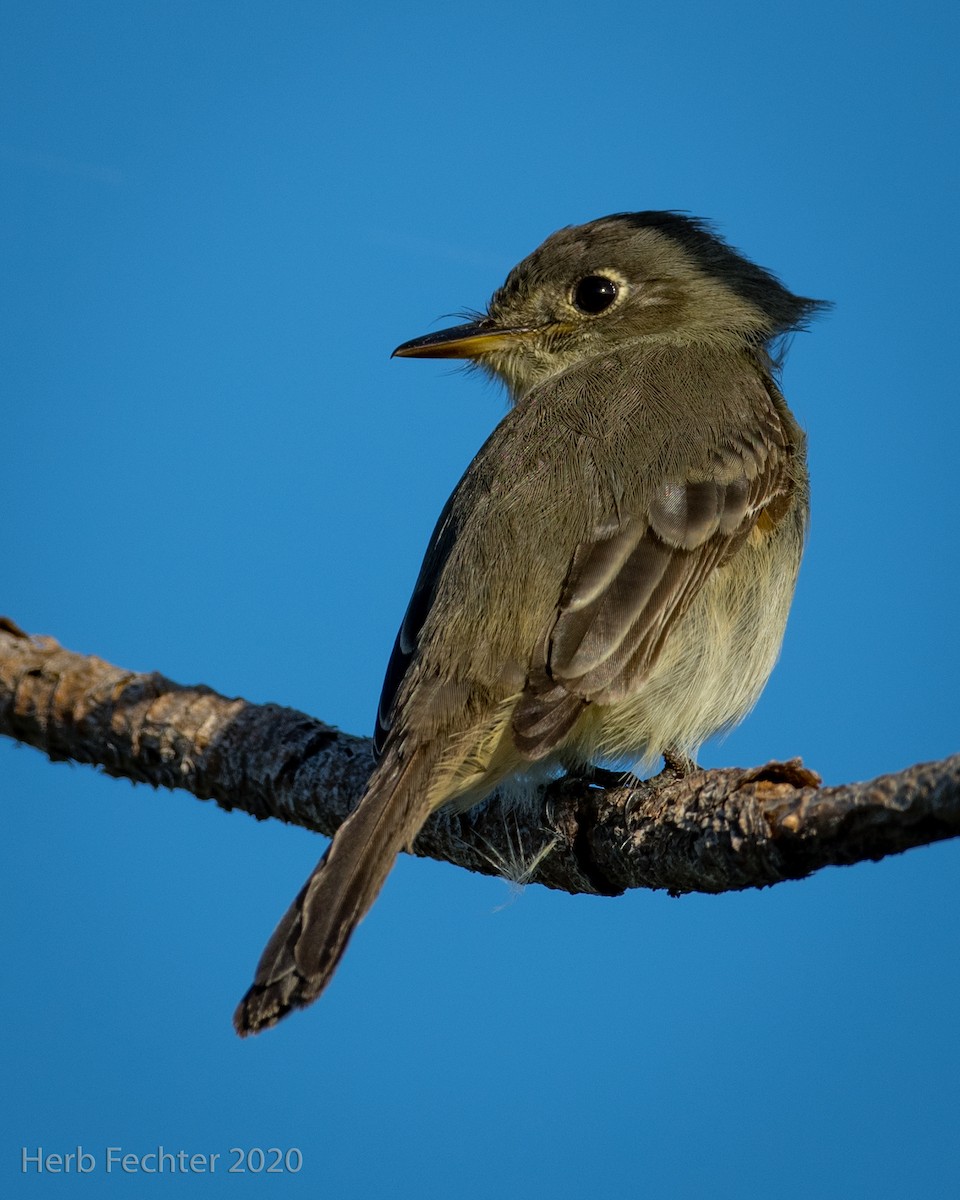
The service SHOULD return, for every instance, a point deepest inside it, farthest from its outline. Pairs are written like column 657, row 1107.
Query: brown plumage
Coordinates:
column 612, row 575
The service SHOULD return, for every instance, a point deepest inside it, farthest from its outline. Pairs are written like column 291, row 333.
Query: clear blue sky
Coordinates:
column 216, row 222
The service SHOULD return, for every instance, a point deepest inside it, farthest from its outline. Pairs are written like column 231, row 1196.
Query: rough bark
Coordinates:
column 714, row 831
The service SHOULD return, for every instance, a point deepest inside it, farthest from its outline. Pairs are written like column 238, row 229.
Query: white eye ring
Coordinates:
column 597, row 292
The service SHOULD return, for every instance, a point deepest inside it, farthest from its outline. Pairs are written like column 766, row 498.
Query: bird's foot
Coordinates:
column 676, row 766
column 601, row 777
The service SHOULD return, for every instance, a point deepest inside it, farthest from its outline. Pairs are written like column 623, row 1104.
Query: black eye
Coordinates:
column 594, row 293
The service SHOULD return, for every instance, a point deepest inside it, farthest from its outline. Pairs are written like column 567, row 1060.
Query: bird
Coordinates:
column 610, row 579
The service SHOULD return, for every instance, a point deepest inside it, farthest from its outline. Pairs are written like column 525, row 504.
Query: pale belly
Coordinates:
column 712, row 668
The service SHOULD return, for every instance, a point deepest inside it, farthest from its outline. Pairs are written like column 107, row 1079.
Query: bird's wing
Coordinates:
column 438, row 551
column 632, row 580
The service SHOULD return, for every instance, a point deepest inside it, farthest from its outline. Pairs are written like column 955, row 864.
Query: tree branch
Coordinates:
column 714, row 831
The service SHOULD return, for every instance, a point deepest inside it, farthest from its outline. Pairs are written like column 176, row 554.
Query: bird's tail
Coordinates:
column 307, row 945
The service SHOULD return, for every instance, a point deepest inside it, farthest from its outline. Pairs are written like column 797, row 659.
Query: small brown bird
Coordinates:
column 611, row 577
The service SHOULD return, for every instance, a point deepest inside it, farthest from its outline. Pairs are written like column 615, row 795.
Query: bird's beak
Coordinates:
column 462, row 341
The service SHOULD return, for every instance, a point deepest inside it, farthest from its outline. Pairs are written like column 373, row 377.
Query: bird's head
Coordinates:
column 589, row 289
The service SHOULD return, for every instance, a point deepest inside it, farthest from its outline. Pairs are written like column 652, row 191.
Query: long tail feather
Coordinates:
column 302, row 955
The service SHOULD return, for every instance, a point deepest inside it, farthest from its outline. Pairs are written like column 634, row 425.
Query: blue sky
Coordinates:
column 216, row 221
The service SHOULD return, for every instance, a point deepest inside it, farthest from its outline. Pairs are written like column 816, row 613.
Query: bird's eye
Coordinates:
column 594, row 293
